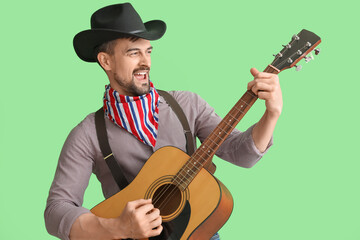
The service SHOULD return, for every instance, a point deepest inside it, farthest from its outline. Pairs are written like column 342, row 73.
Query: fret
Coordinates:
column 193, row 166
column 204, row 152
column 176, row 180
column 240, row 109
column 184, row 178
column 187, row 170
column 244, row 102
column 251, row 93
column 235, row 118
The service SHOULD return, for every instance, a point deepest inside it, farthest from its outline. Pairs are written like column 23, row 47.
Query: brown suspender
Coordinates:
column 190, row 146
column 108, row 155
column 109, row 158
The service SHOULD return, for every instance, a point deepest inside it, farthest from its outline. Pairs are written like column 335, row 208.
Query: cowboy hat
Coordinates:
column 112, row 22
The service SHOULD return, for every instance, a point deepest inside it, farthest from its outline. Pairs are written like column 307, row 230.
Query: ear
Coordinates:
column 104, row 60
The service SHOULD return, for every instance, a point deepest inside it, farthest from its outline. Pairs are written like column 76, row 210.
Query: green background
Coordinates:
column 306, row 187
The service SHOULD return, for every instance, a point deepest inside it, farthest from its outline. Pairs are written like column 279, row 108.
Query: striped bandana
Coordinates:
column 138, row 115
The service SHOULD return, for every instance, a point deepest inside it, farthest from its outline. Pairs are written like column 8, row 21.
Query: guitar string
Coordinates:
column 281, row 63
column 216, row 136
column 179, row 182
column 183, row 179
column 187, row 169
column 285, row 49
column 171, row 194
column 250, row 93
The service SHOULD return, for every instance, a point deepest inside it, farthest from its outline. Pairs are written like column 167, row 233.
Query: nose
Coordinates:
column 145, row 60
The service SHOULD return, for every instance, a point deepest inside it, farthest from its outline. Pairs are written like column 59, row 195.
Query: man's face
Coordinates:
column 130, row 65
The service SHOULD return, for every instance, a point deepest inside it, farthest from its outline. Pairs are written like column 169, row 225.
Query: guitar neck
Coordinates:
column 211, row 144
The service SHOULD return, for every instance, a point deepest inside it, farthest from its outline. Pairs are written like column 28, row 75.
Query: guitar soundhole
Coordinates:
column 167, row 198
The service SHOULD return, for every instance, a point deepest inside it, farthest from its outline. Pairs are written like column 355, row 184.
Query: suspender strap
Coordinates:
column 109, row 158
column 190, row 149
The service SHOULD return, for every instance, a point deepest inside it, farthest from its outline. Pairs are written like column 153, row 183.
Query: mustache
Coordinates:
column 141, row 68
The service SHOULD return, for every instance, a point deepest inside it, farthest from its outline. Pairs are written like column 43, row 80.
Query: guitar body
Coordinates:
column 196, row 212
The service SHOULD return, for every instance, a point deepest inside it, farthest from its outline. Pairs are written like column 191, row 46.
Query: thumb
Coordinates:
column 254, row 71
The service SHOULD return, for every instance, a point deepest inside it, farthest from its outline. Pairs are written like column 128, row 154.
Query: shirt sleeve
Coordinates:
column 238, row 148
column 64, row 204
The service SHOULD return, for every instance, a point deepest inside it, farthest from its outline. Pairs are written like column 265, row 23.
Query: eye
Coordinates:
column 134, row 53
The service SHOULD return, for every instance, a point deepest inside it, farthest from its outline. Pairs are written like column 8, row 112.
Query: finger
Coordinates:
column 254, row 72
column 140, row 202
column 265, row 80
column 157, row 222
column 155, row 213
column 260, row 86
column 264, row 75
column 250, row 84
column 156, row 231
column 144, row 209
column 264, row 95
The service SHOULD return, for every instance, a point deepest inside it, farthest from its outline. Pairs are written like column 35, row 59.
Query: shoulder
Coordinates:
column 86, row 125
column 179, row 95
column 84, row 132
column 187, row 98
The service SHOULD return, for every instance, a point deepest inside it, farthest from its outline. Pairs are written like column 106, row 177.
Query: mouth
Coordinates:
column 141, row 75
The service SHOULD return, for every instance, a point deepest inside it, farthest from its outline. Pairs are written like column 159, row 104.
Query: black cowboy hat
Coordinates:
column 112, row 22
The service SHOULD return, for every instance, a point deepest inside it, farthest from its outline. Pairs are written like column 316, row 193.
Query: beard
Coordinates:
column 130, row 87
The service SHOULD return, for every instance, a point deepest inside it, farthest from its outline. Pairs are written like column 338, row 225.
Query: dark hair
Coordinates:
column 108, row 47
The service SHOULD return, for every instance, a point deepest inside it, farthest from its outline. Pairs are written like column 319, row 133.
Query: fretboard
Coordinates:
column 211, row 144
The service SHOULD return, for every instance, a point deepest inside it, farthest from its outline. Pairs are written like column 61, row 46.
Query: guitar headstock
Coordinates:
column 299, row 46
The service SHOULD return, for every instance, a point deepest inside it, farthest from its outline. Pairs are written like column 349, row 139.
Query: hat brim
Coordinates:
column 86, row 41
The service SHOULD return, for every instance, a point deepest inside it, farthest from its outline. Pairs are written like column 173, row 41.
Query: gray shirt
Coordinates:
column 81, row 156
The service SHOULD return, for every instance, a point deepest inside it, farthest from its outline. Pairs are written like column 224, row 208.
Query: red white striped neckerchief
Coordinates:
column 136, row 114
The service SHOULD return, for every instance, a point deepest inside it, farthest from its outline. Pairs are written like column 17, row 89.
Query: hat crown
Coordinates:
column 112, row 22
column 119, row 17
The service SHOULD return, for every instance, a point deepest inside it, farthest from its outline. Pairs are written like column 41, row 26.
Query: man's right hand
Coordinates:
column 139, row 219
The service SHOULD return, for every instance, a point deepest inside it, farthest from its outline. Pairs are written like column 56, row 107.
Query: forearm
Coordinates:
column 264, row 129
column 90, row 227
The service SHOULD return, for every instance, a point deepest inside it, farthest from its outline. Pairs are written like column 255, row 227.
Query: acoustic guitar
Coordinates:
column 193, row 203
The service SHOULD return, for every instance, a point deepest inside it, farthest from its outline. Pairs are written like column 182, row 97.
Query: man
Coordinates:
column 138, row 122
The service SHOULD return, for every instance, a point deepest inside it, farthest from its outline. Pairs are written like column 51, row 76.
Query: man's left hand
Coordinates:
column 267, row 87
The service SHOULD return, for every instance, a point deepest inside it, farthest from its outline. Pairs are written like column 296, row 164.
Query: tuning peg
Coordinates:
column 289, row 60
column 317, row 51
column 296, row 37
column 309, row 57
column 278, row 55
column 287, row 46
column 298, row 67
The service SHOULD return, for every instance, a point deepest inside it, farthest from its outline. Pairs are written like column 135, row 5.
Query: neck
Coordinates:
column 211, row 144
